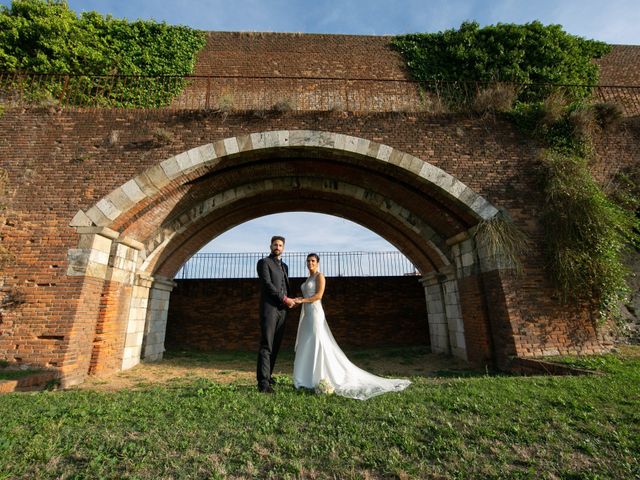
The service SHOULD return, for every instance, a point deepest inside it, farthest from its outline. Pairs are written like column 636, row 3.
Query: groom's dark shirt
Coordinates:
column 274, row 283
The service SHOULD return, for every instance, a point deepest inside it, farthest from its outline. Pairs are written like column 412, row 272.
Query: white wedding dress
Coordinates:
column 318, row 357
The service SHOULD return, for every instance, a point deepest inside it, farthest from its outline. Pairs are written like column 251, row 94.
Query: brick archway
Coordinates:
column 137, row 237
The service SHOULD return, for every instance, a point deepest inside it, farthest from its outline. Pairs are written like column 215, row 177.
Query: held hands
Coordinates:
column 293, row 302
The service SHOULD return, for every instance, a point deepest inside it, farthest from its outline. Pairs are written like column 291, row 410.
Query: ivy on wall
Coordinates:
column 45, row 36
column 585, row 231
column 533, row 54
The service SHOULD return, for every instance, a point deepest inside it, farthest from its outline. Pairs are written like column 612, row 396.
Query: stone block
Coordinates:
column 134, row 339
column 208, row 153
column 459, row 352
column 133, row 191
column 384, row 152
column 453, row 313
column 131, row 362
column 435, row 308
column 97, row 217
column 99, row 257
column 350, row 143
column 184, row 161
column 231, row 145
column 171, row 168
column 195, row 157
column 340, row 141
column 80, row 219
column 77, row 261
column 158, row 176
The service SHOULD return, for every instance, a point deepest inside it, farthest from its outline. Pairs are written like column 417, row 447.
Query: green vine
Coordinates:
column 585, row 231
column 532, row 54
column 45, row 36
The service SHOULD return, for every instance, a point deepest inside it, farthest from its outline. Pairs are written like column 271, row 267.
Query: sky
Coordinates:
column 612, row 21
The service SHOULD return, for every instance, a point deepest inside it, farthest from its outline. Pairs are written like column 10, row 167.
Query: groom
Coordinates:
column 274, row 302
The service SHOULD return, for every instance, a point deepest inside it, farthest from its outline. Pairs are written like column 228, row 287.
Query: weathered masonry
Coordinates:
column 102, row 207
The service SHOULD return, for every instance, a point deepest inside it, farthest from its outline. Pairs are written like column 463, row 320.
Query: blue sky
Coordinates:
column 613, row 21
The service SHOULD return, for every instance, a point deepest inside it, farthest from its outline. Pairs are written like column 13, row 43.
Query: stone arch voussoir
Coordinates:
column 103, row 253
column 147, row 184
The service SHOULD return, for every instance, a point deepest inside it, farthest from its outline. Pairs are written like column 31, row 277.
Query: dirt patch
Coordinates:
column 228, row 367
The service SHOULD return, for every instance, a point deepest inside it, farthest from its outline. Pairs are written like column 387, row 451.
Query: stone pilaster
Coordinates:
column 156, row 318
column 453, row 314
column 137, row 317
column 91, row 258
column 438, row 332
column 446, row 326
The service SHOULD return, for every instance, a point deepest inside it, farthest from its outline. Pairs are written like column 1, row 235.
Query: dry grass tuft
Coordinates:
column 583, row 122
column 553, row 108
column 13, row 297
column 114, row 138
column 608, row 115
column 498, row 97
column 283, row 106
column 502, row 240
column 226, row 104
column 162, row 137
column 433, row 102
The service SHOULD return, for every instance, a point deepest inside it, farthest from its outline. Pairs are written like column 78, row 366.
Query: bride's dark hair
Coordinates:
column 315, row 255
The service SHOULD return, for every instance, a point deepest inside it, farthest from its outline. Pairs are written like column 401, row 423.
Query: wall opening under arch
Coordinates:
column 143, row 232
column 373, row 297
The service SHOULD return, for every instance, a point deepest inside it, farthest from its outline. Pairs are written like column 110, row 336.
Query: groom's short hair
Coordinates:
column 277, row 237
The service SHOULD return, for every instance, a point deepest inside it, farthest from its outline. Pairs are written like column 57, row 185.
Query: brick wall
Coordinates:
column 60, row 161
column 361, row 312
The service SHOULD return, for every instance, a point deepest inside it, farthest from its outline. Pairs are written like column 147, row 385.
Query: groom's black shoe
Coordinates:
column 272, row 382
column 267, row 389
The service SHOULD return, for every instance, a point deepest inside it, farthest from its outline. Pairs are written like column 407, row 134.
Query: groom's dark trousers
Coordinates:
column 274, row 287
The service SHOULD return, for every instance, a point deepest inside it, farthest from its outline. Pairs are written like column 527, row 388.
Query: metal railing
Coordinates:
column 259, row 95
column 332, row 264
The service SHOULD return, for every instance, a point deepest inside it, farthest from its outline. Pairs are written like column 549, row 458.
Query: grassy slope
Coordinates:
column 472, row 427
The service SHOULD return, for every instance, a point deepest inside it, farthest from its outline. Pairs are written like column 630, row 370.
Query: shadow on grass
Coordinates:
column 404, row 361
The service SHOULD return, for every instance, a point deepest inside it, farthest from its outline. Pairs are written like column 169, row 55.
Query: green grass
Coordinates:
column 440, row 427
column 16, row 374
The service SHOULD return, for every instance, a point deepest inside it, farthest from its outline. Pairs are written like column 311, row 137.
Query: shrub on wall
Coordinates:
column 45, row 36
column 585, row 231
column 532, row 54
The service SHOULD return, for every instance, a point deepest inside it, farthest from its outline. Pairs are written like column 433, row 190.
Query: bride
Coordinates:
column 319, row 361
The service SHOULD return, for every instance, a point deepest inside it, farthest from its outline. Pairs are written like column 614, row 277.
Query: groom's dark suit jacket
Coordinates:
column 274, row 285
